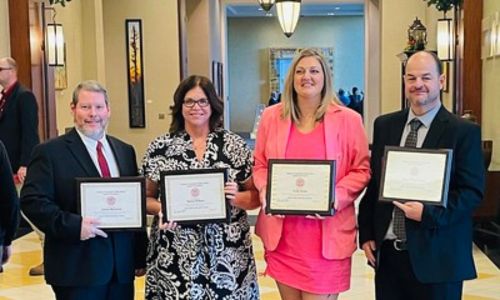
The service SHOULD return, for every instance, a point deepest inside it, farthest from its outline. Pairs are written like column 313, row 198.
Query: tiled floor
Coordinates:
column 16, row 284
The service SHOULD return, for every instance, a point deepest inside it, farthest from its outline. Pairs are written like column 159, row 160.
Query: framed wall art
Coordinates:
column 135, row 73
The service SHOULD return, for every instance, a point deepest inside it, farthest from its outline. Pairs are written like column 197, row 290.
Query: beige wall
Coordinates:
column 396, row 17
column 161, row 65
column 71, row 19
column 198, row 37
column 491, row 95
column 4, row 29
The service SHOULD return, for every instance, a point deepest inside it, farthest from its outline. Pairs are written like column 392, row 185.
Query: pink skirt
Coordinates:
column 299, row 263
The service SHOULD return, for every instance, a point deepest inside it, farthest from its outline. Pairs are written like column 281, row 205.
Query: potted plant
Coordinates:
column 62, row 2
column 444, row 5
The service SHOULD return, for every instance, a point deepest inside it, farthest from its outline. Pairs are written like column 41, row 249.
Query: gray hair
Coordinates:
column 89, row 86
column 10, row 61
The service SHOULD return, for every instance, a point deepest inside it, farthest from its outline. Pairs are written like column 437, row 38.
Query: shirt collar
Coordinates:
column 7, row 91
column 426, row 118
column 91, row 142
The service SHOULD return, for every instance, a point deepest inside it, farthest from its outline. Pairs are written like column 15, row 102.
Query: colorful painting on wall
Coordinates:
column 135, row 73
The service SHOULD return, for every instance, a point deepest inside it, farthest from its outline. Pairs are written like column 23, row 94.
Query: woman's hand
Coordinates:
column 230, row 190
column 165, row 226
column 262, row 197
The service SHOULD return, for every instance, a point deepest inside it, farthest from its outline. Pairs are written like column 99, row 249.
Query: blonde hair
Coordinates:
column 289, row 97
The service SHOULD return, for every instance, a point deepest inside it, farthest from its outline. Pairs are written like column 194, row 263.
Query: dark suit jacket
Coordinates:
column 19, row 126
column 49, row 200
column 440, row 246
column 9, row 203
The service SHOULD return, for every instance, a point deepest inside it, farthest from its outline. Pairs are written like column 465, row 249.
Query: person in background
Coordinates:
column 422, row 251
column 214, row 260
column 83, row 261
column 356, row 100
column 275, row 98
column 18, row 129
column 343, row 97
column 9, row 208
column 310, row 257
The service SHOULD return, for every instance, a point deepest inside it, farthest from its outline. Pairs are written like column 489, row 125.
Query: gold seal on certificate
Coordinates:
column 300, row 187
column 194, row 196
column 415, row 174
column 118, row 203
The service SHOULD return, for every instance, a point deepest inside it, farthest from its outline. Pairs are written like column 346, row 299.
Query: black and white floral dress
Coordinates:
column 211, row 261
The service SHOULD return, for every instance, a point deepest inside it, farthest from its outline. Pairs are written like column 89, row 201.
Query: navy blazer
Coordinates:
column 49, row 200
column 9, row 204
column 440, row 246
column 19, row 126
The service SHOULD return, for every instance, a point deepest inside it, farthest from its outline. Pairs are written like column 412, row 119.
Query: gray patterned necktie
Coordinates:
column 399, row 216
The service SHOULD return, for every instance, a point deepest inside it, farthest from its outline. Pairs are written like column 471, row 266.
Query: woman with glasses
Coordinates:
column 206, row 261
column 310, row 256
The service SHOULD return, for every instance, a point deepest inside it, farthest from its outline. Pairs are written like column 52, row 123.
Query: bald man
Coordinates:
column 430, row 254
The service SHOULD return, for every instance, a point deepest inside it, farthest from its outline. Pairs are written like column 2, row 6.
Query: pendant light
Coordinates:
column 288, row 15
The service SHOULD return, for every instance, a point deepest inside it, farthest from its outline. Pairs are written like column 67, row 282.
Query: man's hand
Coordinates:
column 7, row 253
column 21, row 174
column 89, row 229
column 369, row 248
column 413, row 210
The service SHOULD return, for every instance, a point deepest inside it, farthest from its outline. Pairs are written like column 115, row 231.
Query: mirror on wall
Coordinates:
column 280, row 60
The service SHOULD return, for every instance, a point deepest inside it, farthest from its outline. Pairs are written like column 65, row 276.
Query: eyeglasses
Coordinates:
column 2, row 68
column 191, row 102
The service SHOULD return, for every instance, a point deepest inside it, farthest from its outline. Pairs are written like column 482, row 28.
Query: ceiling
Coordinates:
column 243, row 9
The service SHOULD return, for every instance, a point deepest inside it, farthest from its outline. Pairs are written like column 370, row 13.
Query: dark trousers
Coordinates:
column 395, row 280
column 110, row 291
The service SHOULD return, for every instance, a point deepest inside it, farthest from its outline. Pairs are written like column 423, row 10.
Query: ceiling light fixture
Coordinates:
column 288, row 15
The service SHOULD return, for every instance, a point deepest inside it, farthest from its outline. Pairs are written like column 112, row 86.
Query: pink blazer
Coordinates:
column 346, row 143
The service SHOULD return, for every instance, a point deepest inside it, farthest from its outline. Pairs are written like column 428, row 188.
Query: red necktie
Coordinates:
column 103, row 164
column 3, row 100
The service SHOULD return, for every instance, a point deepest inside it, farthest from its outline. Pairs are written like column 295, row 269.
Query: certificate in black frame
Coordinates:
column 444, row 172
column 80, row 181
column 198, row 220
column 328, row 210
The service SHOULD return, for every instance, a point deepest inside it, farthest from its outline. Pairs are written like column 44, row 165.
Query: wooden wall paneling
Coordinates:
column 468, row 59
column 20, row 39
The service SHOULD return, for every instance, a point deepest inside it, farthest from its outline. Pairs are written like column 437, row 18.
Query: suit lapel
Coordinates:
column 397, row 127
column 117, row 152
column 283, row 134
column 80, row 153
column 437, row 129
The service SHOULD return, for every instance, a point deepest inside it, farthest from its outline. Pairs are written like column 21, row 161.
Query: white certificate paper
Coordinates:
column 192, row 197
column 300, row 187
column 416, row 175
column 117, row 205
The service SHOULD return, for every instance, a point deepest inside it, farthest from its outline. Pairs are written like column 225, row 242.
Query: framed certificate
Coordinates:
column 194, row 196
column 300, row 187
column 415, row 174
column 118, row 203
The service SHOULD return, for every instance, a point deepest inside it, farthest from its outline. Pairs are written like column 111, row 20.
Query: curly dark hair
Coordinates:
column 208, row 88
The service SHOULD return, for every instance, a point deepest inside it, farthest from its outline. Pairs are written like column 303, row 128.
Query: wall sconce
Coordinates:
column 55, row 45
column 266, row 4
column 288, row 15
column 445, row 39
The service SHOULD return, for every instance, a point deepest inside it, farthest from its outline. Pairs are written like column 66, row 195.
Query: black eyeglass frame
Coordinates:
column 194, row 102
